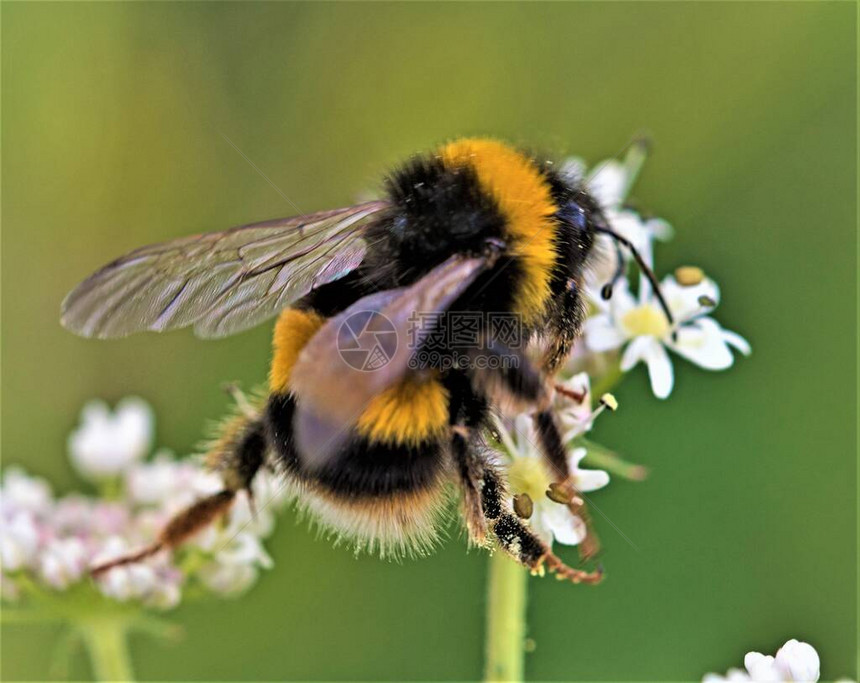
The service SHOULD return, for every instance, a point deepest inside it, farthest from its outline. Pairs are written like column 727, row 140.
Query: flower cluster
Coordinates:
column 637, row 324
column 794, row 661
column 528, row 474
column 618, row 333
column 48, row 544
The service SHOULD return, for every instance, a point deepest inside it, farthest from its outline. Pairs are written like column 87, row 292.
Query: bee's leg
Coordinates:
column 179, row 529
column 565, row 325
column 487, row 509
column 237, row 455
column 552, row 447
column 470, row 474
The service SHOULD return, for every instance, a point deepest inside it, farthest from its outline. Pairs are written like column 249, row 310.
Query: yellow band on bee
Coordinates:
column 524, row 198
column 293, row 330
column 408, row 413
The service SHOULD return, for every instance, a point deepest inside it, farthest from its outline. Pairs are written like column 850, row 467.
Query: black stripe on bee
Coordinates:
column 361, row 469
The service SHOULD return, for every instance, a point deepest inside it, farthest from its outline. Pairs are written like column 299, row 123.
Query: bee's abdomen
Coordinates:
column 363, row 467
column 383, row 495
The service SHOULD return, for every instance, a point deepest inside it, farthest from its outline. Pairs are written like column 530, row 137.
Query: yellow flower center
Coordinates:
column 645, row 320
column 528, row 475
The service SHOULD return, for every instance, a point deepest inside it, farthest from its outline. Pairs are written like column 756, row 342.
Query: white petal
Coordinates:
column 576, row 456
column 591, row 480
column 538, row 524
column 646, row 291
column 23, row 492
column 762, row 668
column 608, row 182
column 660, row 229
column 19, row 541
column 701, row 342
column 601, row 334
column 736, row 340
column 799, row 661
column 602, row 265
column 635, row 352
column 659, row 370
column 134, row 426
column 684, row 301
column 106, row 444
column 573, row 168
column 228, row 579
column 622, row 299
column 166, row 595
column 244, row 549
column 566, row 528
column 629, row 225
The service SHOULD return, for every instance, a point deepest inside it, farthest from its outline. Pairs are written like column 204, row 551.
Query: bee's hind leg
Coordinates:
column 237, row 455
column 554, row 451
column 486, row 510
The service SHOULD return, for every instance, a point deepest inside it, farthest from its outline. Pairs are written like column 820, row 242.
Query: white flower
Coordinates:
column 643, row 327
column 107, row 443
column 165, row 595
column 126, row 582
column 151, row 483
column 19, row 540
column 527, row 473
column 794, row 661
column 54, row 543
column 20, row 491
column 798, row 661
column 609, row 182
column 228, row 579
column 573, row 406
column 62, row 562
column 238, row 555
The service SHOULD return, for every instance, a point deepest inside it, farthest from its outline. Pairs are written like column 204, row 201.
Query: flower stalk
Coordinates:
column 106, row 642
column 506, row 620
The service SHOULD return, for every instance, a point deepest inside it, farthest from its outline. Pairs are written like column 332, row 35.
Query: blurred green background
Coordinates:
column 112, row 124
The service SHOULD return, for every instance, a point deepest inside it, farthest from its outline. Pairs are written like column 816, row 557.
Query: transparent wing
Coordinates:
column 334, row 392
column 220, row 282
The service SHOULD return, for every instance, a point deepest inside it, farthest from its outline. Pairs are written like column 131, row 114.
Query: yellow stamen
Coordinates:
column 529, row 476
column 689, row 276
column 645, row 320
column 609, row 401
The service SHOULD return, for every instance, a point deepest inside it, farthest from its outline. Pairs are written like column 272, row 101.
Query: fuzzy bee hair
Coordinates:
column 476, row 226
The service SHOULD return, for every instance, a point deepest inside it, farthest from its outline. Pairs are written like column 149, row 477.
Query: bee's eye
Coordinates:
column 574, row 215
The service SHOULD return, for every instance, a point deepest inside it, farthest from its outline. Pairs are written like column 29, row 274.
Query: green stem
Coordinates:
column 506, row 619
column 106, row 641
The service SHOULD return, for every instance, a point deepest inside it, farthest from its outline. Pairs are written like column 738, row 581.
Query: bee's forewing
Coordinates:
column 221, row 282
column 333, row 391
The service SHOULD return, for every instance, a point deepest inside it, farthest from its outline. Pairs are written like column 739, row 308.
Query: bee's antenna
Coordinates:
column 606, row 291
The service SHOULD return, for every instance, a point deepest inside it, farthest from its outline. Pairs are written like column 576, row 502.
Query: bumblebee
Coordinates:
column 476, row 226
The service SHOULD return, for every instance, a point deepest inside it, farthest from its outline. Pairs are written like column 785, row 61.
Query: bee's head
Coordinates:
column 582, row 219
column 578, row 216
